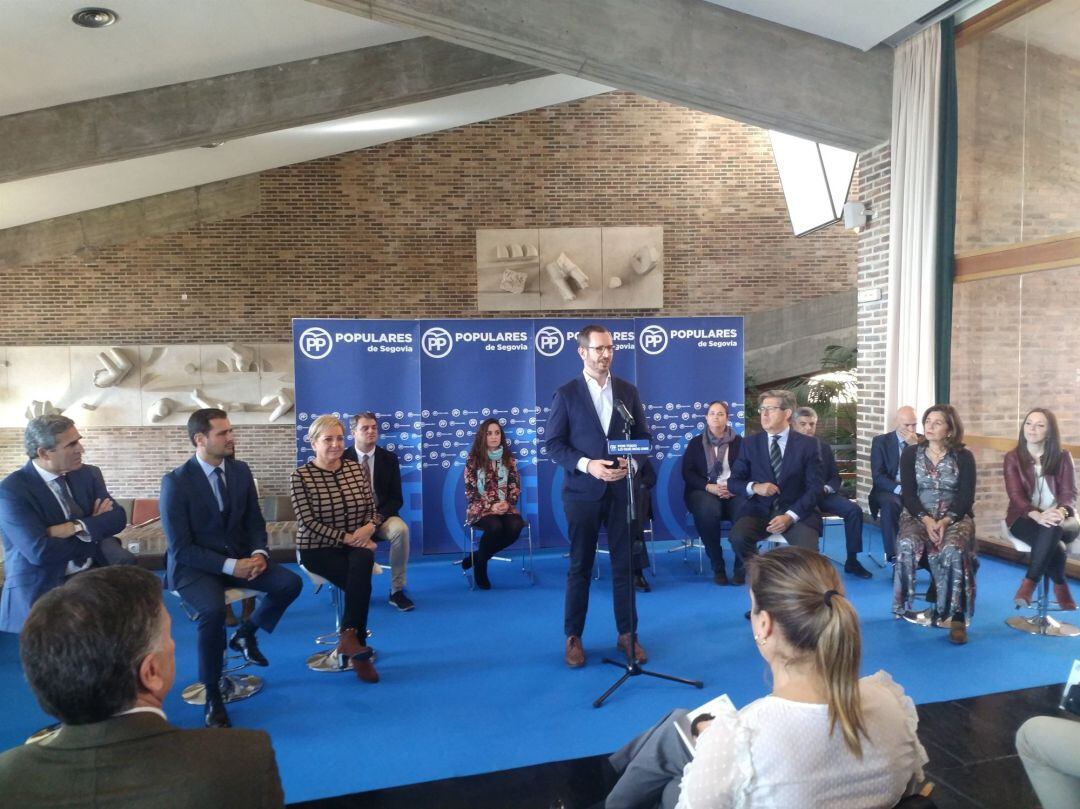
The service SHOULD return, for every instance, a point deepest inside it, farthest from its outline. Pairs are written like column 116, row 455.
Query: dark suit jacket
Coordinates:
column 574, row 432
column 387, row 480
column 198, row 538
column 830, row 472
column 884, row 465
column 801, row 479
column 140, row 760
column 695, row 468
column 34, row 563
column 1020, row 485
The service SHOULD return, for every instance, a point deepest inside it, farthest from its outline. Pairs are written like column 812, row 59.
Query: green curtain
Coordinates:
column 946, row 216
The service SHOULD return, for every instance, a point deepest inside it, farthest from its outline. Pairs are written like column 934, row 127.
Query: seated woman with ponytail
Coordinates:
column 823, row 737
column 492, row 488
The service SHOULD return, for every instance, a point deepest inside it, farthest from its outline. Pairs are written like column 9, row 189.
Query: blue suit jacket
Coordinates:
column 34, row 563
column 884, row 465
column 574, row 432
column 830, row 472
column 801, row 479
column 198, row 537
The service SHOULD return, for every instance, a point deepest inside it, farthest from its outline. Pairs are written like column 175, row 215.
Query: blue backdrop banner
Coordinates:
column 432, row 383
column 471, row 370
column 347, row 366
column 683, row 364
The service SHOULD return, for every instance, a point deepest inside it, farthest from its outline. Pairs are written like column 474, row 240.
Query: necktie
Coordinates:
column 223, row 490
column 60, row 486
column 775, row 458
column 369, row 464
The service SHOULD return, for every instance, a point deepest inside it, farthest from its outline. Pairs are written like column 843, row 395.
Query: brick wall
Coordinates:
column 873, row 258
column 389, row 232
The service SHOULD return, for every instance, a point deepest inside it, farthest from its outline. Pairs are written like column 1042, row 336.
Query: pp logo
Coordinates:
column 315, row 342
column 548, row 341
column 436, row 342
column 653, row 339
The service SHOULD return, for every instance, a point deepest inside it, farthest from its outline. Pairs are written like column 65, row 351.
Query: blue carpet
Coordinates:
column 474, row 681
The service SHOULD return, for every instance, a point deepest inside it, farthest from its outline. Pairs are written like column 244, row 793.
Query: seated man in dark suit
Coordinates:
column 384, row 472
column 99, row 656
column 885, row 453
column 56, row 516
column 781, row 472
column 217, row 539
column 831, row 501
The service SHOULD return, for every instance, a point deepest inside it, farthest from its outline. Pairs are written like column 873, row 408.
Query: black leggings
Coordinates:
column 349, row 569
column 1047, row 546
column 500, row 531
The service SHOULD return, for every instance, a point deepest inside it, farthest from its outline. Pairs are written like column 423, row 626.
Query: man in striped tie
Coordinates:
column 781, row 472
column 56, row 516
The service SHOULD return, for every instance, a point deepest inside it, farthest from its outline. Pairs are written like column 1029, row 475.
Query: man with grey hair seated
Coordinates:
column 56, row 516
column 781, row 472
column 99, row 656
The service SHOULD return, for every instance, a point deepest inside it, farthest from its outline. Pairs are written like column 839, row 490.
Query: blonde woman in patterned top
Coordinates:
column 492, row 488
column 336, row 518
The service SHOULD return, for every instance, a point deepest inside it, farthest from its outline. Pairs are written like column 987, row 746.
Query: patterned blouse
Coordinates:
column 937, row 485
column 478, row 503
column 329, row 505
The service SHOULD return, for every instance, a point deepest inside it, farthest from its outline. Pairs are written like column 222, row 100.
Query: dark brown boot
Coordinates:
column 1024, row 594
column 1063, row 597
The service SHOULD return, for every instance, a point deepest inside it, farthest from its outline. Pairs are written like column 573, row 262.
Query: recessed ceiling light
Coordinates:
column 94, row 17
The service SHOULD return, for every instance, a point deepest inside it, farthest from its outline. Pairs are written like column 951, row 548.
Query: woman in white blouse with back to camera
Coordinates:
column 823, row 737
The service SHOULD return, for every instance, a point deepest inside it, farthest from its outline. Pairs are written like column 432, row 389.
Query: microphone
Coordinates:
column 624, row 412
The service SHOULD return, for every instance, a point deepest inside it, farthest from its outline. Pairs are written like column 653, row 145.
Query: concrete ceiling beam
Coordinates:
column 689, row 52
column 196, row 113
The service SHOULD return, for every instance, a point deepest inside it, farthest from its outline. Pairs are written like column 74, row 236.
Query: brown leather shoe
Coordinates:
column 958, row 631
column 1024, row 594
column 364, row 668
column 348, row 643
column 1063, row 597
column 575, row 652
column 624, row 644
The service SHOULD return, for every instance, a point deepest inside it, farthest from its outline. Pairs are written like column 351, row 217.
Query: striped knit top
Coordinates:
column 329, row 505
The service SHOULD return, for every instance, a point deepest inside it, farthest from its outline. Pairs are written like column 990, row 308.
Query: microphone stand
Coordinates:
column 631, row 667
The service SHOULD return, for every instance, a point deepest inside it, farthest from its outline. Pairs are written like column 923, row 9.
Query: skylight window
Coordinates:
column 816, row 179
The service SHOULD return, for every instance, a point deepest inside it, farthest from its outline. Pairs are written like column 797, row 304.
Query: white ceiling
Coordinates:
column 46, row 60
column 859, row 23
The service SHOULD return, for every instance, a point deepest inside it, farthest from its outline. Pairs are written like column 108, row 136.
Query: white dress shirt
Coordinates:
column 604, row 402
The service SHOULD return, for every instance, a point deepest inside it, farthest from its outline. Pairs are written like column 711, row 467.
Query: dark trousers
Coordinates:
column 709, row 511
column 206, row 595
column 109, row 551
column 650, row 768
column 851, row 514
column 748, row 531
column 499, row 531
column 348, row 569
column 889, row 507
column 585, row 518
column 1047, row 546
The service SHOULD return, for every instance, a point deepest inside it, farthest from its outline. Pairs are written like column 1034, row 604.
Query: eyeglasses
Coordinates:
column 602, row 349
column 768, row 408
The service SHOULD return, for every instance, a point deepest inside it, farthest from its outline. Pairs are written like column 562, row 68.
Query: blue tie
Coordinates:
column 223, row 492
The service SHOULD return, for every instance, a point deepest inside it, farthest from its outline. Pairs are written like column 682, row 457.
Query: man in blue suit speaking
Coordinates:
column 585, row 413
column 56, row 516
column 217, row 539
column 781, row 473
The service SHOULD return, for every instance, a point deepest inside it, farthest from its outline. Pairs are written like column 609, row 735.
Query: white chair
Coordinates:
column 234, row 687
column 526, row 553
column 328, row 661
column 1040, row 622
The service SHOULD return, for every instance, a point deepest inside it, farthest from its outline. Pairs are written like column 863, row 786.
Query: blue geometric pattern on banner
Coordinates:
column 432, row 382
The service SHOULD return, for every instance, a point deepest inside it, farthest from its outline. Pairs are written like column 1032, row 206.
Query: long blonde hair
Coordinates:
column 802, row 592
